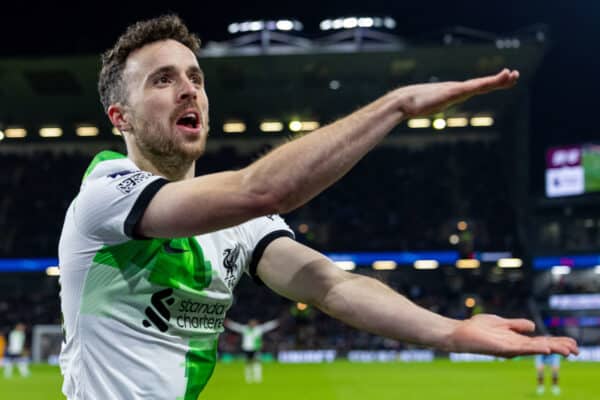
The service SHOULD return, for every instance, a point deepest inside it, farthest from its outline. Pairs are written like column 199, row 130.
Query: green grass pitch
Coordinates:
column 508, row 380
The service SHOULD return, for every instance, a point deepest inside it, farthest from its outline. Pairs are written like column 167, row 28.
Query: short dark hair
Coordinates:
column 111, row 86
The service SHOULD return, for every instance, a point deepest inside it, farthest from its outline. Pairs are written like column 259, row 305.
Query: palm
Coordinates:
column 429, row 98
column 490, row 334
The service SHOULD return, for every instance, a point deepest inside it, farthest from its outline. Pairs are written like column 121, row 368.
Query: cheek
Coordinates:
column 203, row 100
column 156, row 107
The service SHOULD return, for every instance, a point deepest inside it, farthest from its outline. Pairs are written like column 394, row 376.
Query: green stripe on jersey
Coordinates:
column 200, row 363
column 173, row 263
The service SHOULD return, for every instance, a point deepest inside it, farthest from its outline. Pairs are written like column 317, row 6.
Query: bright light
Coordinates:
column 439, row 123
column 295, row 126
column 482, row 121
column 326, row 25
column 338, row 23
column 346, row 265
column 334, row 84
column 284, row 25
column 454, row 239
column 597, row 269
column 234, row 127
column 53, row 271
column 303, row 228
column 271, row 126
column 244, row 26
column 354, row 22
column 462, row 225
column 350, row 23
column 385, row 265
column 389, row 23
column 233, row 28
column 50, row 132
column 470, row 302
column 116, row 132
column 467, row 263
column 457, row 122
column 256, row 26
column 365, row 22
column 87, row 130
column 15, row 132
column 309, row 125
column 510, row 263
column 1, row 135
column 426, row 264
column 561, row 270
column 419, row 123
column 301, row 306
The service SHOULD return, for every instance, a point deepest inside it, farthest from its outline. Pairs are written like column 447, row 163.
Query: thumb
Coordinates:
column 521, row 325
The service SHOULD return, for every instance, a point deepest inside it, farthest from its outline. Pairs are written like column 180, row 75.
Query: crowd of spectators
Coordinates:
column 395, row 199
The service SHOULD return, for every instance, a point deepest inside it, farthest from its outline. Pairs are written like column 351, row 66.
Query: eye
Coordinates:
column 162, row 80
column 196, row 79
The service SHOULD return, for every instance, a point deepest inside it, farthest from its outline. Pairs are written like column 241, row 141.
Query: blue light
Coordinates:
column 400, row 257
column 573, row 261
column 26, row 264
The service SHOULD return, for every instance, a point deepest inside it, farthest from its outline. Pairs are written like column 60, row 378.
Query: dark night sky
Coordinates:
column 565, row 87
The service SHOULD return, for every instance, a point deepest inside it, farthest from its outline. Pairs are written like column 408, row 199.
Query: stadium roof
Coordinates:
column 318, row 82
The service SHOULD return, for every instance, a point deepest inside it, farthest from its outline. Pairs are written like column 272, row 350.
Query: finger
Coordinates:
column 537, row 345
column 501, row 80
column 521, row 325
column 569, row 343
column 557, row 347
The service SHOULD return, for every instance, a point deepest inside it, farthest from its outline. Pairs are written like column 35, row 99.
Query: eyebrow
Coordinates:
column 194, row 69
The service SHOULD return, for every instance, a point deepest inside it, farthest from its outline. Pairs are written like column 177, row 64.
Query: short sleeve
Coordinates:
column 109, row 206
column 260, row 232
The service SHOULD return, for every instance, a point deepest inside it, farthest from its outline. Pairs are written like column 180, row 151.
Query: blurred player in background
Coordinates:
column 150, row 255
column 541, row 362
column 252, row 345
column 16, row 352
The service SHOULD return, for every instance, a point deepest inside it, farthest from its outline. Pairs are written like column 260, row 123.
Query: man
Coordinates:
column 552, row 361
column 146, row 261
column 252, row 345
column 16, row 352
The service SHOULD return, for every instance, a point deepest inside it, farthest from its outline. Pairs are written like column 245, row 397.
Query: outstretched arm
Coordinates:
column 269, row 326
column 297, row 171
column 234, row 326
column 302, row 274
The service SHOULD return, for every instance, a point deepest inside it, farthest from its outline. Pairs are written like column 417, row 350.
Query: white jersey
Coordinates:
column 142, row 316
column 16, row 343
column 252, row 335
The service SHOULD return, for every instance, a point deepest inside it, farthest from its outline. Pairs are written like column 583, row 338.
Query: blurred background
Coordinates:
column 492, row 206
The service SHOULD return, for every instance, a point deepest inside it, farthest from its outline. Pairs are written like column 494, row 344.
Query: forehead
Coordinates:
column 158, row 54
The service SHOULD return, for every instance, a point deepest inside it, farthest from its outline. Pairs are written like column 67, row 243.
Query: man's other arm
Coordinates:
column 302, row 274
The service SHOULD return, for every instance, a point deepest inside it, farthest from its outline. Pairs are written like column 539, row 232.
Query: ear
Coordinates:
column 118, row 117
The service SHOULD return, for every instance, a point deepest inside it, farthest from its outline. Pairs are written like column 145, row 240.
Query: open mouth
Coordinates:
column 189, row 120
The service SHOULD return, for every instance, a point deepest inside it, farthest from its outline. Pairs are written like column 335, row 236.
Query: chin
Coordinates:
column 193, row 150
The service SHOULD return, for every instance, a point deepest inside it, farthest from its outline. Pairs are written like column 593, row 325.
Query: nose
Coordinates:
column 187, row 90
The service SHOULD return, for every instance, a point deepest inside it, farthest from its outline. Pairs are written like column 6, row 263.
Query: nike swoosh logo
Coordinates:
column 172, row 250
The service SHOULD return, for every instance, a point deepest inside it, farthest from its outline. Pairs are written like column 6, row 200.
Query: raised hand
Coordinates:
column 490, row 334
column 429, row 98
